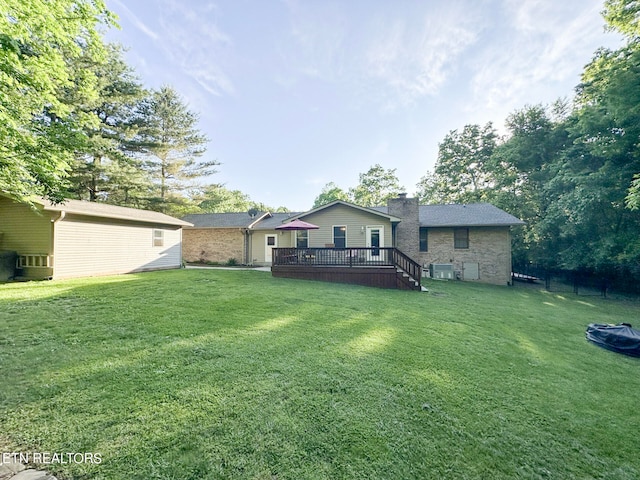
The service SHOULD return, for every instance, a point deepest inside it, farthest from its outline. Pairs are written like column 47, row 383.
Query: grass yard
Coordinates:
column 205, row 374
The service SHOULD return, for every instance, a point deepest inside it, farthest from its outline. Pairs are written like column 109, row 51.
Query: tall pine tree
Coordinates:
column 171, row 145
column 102, row 170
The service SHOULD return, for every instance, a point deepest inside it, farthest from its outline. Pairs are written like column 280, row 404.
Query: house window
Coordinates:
column 158, row 238
column 460, row 238
column 302, row 238
column 340, row 236
column 424, row 239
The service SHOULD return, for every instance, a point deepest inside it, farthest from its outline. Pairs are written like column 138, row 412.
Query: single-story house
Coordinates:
column 468, row 242
column 78, row 238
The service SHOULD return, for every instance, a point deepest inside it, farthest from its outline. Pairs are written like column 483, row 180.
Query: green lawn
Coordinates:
column 197, row 374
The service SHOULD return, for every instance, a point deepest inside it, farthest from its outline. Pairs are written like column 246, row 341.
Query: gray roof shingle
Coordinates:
column 453, row 215
column 459, row 215
column 237, row 220
column 104, row 210
column 470, row 215
column 221, row 220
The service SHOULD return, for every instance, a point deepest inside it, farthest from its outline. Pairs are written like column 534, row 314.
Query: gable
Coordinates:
column 355, row 220
column 341, row 214
column 351, row 206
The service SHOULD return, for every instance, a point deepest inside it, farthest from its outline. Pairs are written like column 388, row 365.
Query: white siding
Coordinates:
column 88, row 247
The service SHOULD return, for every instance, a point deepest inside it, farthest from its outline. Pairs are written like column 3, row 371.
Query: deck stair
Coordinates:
column 407, row 281
column 408, row 271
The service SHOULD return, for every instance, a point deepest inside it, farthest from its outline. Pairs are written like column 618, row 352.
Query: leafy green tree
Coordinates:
column 262, row 207
column 568, row 188
column 623, row 16
column 609, row 96
column 218, row 199
column 603, row 168
column 38, row 130
column 171, row 144
column 571, row 174
column 376, row 186
column 330, row 192
column 431, row 189
column 463, row 169
column 633, row 198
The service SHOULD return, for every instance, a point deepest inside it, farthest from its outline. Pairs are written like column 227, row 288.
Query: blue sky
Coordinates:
column 298, row 93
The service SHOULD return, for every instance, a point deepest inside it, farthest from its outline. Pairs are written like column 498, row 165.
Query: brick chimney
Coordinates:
column 408, row 230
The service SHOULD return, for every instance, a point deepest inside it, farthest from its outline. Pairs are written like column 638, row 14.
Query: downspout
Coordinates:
column 245, row 233
column 60, row 217
column 182, row 263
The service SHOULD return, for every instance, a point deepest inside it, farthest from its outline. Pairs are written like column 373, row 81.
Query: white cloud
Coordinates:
column 544, row 42
column 139, row 24
column 389, row 55
column 414, row 59
column 193, row 42
column 318, row 39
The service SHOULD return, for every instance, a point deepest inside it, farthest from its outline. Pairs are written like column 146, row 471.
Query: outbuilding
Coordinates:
column 80, row 239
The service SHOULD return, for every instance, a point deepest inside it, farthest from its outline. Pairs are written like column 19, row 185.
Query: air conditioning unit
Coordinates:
column 443, row 271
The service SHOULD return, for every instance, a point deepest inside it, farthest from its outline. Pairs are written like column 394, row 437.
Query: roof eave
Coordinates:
column 460, row 225
column 60, row 207
column 209, row 227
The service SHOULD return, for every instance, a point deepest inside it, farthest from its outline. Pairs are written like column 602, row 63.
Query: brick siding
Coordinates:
column 490, row 247
column 216, row 245
column 408, row 230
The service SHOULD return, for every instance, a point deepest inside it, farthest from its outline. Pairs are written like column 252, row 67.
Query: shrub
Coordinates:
column 232, row 262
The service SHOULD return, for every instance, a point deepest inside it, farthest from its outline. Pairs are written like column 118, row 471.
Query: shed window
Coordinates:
column 158, row 238
column 461, row 238
column 424, row 239
column 340, row 236
column 302, row 238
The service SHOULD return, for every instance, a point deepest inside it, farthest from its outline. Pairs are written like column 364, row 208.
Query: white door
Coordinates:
column 375, row 241
column 270, row 242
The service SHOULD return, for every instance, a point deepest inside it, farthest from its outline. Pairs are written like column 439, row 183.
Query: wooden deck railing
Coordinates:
column 348, row 257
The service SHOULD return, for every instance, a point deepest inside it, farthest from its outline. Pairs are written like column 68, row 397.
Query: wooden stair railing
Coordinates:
column 412, row 268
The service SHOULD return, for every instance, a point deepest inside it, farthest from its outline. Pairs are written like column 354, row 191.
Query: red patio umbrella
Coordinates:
column 297, row 225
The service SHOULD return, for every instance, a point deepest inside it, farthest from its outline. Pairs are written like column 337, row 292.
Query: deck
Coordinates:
column 375, row 267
